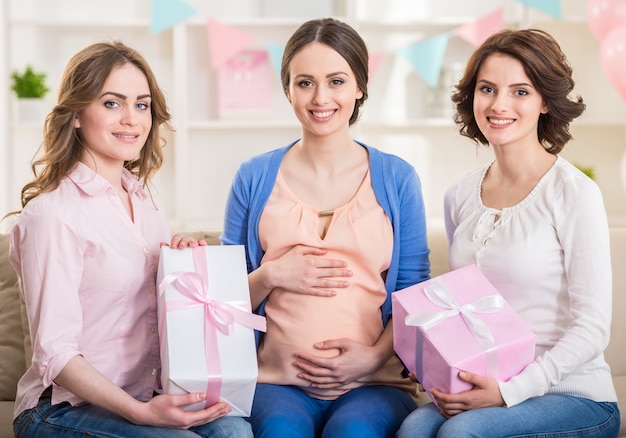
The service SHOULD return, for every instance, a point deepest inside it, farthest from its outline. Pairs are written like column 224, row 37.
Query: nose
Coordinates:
column 320, row 95
column 500, row 102
column 129, row 117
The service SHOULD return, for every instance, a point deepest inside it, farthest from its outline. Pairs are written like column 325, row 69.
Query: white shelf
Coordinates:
column 252, row 22
column 81, row 23
column 242, row 125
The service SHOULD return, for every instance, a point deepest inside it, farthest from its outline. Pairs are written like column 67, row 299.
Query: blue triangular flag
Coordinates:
column 426, row 57
column 276, row 56
column 550, row 7
column 167, row 13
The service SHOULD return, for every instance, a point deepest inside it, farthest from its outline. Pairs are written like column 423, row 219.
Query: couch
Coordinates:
column 15, row 343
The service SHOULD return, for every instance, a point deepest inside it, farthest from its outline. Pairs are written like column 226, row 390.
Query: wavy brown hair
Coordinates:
column 341, row 38
column 81, row 84
column 547, row 68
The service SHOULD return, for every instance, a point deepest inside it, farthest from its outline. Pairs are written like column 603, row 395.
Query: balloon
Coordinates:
column 605, row 15
column 613, row 58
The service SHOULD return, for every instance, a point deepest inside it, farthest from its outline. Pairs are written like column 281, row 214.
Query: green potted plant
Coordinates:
column 590, row 171
column 29, row 83
column 30, row 88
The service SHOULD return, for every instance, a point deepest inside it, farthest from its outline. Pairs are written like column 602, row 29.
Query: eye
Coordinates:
column 337, row 82
column 143, row 106
column 305, row 83
column 486, row 89
column 521, row 93
column 111, row 104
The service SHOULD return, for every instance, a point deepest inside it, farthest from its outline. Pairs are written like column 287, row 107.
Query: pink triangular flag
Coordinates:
column 225, row 41
column 477, row 32
column 374, row 62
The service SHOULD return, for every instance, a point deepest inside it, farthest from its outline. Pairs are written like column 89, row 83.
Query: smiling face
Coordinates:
column 116, row 125
column 322, row 90
column 506, row 104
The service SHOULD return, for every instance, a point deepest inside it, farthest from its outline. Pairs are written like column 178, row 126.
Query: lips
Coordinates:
column 126, row 136
column 500, row 122
column 322, row 114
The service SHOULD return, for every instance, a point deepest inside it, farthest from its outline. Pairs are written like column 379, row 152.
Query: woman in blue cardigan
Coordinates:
column 332, row 227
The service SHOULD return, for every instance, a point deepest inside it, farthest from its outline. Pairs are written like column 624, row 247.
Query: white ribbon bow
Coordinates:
column 441, row 296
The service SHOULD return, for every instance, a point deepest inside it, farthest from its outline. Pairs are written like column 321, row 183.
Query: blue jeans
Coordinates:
column 365, row 412
column 63, row 420
column 554, row 416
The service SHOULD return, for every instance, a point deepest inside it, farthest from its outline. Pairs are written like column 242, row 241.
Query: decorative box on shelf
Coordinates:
column 244, row 85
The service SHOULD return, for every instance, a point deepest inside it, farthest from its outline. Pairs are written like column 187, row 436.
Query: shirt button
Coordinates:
column 153, row 329
column 153, row 371
column 145, row 250
column 151, row 289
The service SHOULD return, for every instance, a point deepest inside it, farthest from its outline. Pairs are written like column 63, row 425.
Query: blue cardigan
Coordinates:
column 396, row 186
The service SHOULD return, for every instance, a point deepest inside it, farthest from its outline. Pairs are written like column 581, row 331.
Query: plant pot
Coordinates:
column 30, row 111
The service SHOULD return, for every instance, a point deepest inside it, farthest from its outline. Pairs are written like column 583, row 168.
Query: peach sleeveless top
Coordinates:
column 359, row 233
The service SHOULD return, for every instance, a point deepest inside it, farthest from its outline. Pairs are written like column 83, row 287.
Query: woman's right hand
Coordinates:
column 304, row 270
column 82, row 379
column 167, row 411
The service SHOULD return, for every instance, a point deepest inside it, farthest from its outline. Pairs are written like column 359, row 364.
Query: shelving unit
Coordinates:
column 205, row 151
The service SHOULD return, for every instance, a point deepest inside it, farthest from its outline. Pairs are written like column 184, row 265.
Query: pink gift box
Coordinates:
column 206, row 328
column 244, row 85
column 458, row 321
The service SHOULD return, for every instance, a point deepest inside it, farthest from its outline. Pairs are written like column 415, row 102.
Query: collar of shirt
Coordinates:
column 93, row 184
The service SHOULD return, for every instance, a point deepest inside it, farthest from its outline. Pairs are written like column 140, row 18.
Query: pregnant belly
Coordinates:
column 296, row 322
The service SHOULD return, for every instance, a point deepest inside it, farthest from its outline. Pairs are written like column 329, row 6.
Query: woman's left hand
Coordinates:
column 485, row 393
column 354, row 361
column 179, row 241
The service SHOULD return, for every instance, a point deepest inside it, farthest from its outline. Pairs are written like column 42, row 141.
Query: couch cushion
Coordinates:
column 12, row 361
column 438, row 244
column 211, row 237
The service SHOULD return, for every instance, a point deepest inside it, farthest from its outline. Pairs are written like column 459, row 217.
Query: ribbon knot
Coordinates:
column 439, row 294
column 193, row 286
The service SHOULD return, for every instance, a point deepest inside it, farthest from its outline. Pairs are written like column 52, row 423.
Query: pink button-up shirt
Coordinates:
column 88, row 274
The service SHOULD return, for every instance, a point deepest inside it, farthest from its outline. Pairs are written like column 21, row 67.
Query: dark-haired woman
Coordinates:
column 536, row 227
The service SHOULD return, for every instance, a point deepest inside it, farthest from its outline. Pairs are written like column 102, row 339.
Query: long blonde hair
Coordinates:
column 81, row 84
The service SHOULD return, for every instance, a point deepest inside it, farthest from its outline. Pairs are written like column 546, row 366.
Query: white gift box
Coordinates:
column 206, row 327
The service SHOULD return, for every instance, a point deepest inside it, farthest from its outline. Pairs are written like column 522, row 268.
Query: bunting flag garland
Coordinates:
column 167, row 13
column 373, row 63
column 550, row 7
column 426, row 57
column 225, row 42
column 276, row 56
column 478, row 31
